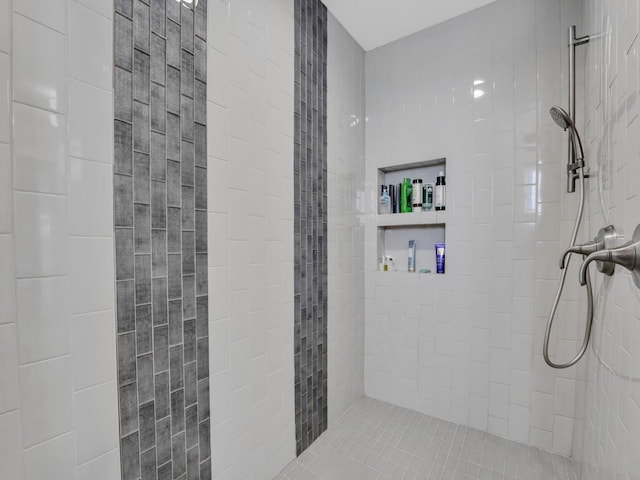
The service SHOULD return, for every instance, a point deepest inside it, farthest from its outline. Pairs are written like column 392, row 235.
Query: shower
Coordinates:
column 575, row 171
column 603, row 249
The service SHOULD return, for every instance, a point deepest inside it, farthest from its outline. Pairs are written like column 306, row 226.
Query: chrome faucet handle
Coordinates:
column 606, row 238
column 628, row 255
column 583, row 249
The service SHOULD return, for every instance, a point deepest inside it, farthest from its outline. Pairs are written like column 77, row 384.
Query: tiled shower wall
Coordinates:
column 345, row 183
column 607, row 437
column 250, row 165
column 160, row 193
column 467, row 346
column 58, row 401
column 310, row 221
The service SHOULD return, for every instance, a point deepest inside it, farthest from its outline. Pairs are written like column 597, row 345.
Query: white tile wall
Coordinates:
column 250, row 203
column 57, row 339
column 607, row 437
column 346, row 167
column 467, row 346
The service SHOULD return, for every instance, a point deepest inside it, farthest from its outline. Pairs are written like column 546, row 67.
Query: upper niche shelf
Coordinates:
column 426, row 170
column 409, row 166
column 412, row 219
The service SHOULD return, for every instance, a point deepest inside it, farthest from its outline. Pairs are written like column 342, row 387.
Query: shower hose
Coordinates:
column 563, row 276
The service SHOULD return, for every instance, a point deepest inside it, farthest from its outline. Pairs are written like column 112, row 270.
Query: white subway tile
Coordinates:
column 96, row 421
column 7, row 280
column 549, row 183
column 521, row 351
column 39, row 59
column 479, row 412
column 51, row 459
column 90, row 46
column 39, row 150
column 43, row 318
column 91, row 274
column 8, row 368
column 90, row 122
column 90, row 198
column 40, row 235
column 562, row 434
column 541, row 438
column 99, row 7
column 220, row 403
column 519, row 388
column 46, row 406
column 565, row 397
column 52, row 13
column 499, row 365
column 93, row 348
column 5, row 94
column 5, row 26
column 105, row 467
column 498, row 400
column 542, row 410
column 6, row 192
column 217, row 75
column 11, row 445
column 519, row 424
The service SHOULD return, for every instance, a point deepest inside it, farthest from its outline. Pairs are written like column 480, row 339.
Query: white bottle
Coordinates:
column 385, row 202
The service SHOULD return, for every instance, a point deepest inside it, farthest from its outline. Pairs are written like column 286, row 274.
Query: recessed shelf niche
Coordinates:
column 426, row 227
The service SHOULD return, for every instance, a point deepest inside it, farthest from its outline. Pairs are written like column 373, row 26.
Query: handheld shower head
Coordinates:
column 561, row 117
column 564, row 121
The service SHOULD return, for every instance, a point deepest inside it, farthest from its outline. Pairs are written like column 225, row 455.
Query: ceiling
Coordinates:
column 374, row 23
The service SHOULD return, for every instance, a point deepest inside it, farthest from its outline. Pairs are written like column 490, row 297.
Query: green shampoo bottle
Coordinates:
column 405, row 197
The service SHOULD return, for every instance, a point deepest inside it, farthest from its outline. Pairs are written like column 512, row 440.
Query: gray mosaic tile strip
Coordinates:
column 160, row 222
column 310, row 221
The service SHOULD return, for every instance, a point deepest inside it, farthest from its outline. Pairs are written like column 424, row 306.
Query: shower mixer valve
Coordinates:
column 607, row 238
column 627, row 255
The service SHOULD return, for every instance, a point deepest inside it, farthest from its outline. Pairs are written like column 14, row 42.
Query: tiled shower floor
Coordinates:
column 376, row 440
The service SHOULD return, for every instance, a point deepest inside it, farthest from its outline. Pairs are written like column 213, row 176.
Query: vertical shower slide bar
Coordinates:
column 571, row 158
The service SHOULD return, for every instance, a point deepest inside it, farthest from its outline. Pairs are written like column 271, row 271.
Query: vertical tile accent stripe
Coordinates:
column 160, row 203
column 310, row 221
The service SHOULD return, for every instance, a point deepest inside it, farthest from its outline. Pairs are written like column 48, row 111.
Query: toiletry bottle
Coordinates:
column 406, row 205
column 398, row 193
column 412, row 256
column 440, row 256
column 427, row 197
column 393, row 199
column 385, row 201
column 389, row 263
column 417, row 195
column 440, row 192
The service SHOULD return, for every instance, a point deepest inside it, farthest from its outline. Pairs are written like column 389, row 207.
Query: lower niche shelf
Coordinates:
column 393, row 240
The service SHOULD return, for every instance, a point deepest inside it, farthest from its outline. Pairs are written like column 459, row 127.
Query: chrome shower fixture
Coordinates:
column 576, row 159
column 575, row 173
column 561, row 117
column 627, row 255
column 574, row 41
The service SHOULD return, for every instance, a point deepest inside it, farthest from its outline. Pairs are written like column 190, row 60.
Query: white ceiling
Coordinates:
column 376, row 22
